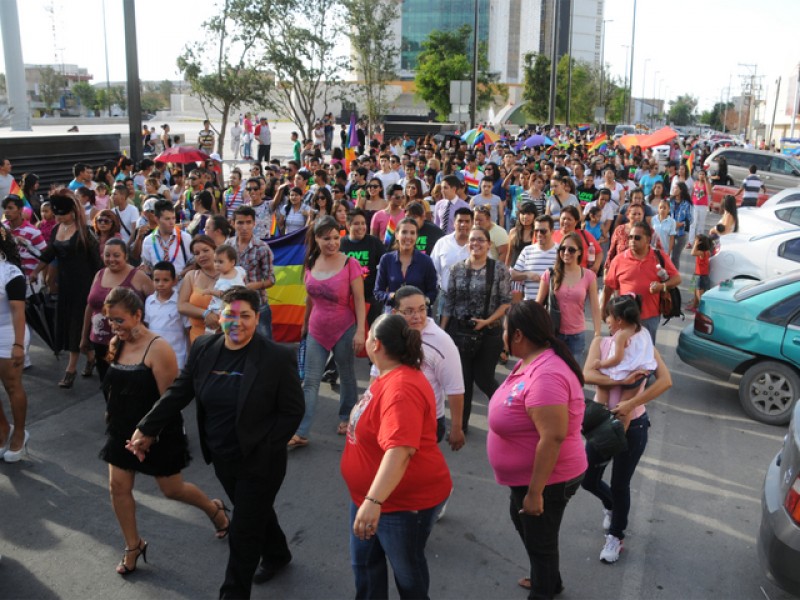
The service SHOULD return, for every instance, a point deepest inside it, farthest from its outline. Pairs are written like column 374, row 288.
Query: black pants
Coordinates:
column 479, row 368
column 540, row 534
column 254, row 533
column 263, row 152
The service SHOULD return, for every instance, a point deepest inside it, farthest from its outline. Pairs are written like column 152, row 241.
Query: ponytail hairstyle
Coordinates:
column 532, row 320
column 627, row 308
column 128, row 300
column 398, row 339
column 558, row 268
column 322, row 226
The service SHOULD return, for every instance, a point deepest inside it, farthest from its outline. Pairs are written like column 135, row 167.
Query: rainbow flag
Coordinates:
column 584, row 126
column 351, row 144
column 599, row 142
column 15, row 190
column 273, row 226
column 287, row 297
column 690, row 162
column 472, row 182
column 388, row 237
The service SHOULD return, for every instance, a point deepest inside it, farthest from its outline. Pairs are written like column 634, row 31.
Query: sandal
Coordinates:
column 525, row 582
column 342, row 429
column 87, row 371
column 68, row 380
column 141, row 550
column 297, row 441
column 222, row 532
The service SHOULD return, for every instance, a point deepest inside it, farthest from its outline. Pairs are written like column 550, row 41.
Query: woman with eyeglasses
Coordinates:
column 572, row 285
column 96, row 327
column 619, row 239
column 323, row 205
column 405, row 265
column 477, row 298
column 106, row 226
column 592, row 254
column 374, row 201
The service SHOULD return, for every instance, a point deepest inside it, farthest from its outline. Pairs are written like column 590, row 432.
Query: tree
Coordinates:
column 584, row 93
column 85, row 94
column 681, row 111
column 224, row 69
column 535, row 90
column 165, row 89
column 716, row 116
column 444, row 58
column 299, row 47
column 373, row 49
column 51, row 86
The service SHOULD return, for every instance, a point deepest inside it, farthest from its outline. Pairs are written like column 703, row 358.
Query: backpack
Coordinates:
column 670, row 301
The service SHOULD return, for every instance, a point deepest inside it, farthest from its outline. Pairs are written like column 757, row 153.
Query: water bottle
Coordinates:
column 592, row 254
column 301, row 359
column 662, row 273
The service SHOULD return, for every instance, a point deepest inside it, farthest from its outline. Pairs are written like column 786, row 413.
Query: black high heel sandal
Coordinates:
column 141, row 550
column 87, row 371
column 69, row 379
column 222, row 532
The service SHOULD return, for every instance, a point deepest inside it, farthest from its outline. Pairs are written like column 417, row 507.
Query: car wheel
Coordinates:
column 768, row 391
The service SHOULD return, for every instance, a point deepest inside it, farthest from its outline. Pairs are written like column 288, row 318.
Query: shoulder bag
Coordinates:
column 469, row 341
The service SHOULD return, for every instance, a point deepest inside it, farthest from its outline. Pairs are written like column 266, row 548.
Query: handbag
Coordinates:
column 553, row 308
column 669, row 301
column 602, row 430
column 469, row 341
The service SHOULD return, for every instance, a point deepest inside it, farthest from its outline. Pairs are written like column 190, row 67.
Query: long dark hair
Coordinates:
column 532, row 320
column 128, row 300
column 729, row 206
column 322, row 226
column 400, row 341
column 558, row 267
column 8, row 247
column 628, row 308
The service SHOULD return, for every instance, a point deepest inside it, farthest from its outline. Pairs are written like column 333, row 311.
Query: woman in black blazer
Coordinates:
column 249, row 404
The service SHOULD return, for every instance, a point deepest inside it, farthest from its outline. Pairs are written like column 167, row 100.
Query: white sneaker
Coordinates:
column 611, row 550
column 606, row 520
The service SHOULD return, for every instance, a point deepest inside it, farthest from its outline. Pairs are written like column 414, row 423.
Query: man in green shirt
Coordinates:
column 296, row 146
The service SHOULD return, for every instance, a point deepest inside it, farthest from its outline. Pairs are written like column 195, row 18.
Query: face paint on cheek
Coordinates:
column 229, row 321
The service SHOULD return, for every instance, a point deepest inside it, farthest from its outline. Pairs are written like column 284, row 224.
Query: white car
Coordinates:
column 759, row 257
column 662, row 153
column 766, row 219
column 791, row 194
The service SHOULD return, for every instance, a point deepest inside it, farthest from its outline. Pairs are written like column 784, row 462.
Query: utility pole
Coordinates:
column 569, row 69
column 774, row 110
column 553, row 61
column 132, row 67
column 796, row 97
column 15, row 67
column 473, row 104
column 633, row 47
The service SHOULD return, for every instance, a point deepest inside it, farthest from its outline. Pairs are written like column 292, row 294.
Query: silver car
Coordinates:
column 776, row 171
column 779, row 536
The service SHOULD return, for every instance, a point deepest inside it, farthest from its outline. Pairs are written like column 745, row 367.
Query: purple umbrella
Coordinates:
column 538, row 140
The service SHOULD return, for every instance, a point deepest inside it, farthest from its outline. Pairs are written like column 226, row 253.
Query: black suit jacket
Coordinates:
column 269, row 408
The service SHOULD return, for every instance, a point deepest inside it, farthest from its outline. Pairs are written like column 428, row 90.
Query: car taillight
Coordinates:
column 703, row 324
column 792, row 502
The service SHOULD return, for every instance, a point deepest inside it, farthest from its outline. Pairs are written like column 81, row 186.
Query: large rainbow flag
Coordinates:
column 598, row 142
column 287, row 297
column 352, row 143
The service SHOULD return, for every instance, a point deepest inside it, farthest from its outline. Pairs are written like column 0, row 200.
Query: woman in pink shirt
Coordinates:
column 334, row 322
column 572, row 286
column 701, row 194
column 534, row 442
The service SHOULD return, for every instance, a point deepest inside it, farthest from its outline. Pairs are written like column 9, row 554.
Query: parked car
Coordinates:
column 784, row 196
column 755, row 257
column 765, row 219
column 751, row 329
column 718, row 192
column 779, row 534
column 621, row 130
column 776, row 171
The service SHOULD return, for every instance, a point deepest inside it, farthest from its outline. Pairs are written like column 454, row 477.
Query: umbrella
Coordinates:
column 40, row 315
column 182, row 155
column 538, row 140
column 473, row 136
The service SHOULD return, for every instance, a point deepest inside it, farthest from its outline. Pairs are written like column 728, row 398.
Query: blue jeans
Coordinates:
column 576, row 342
column 316, row 357
column 617, row 496
column 540, row 534
column 401, row 537
column 651, row 324
column 264, row 326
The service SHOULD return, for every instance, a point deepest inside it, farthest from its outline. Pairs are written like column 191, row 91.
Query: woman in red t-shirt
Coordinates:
column 395, row 500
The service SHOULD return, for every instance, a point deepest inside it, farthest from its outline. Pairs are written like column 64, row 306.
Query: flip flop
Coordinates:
column 525, row 582
column 297, row 442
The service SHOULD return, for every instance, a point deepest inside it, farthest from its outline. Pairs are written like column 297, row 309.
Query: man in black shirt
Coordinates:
column 428, row 233
column 586, row 191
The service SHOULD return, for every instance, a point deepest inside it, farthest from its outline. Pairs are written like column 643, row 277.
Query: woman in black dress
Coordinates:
column 76, row 248
column 142, row 367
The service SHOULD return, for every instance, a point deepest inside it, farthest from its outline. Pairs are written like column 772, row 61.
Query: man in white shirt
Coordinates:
column 441, row 364
column 497, row 235
column 387, row 175
column 127, row 214
column 449, row 250
column 166, row 242
column 6, row 178
column 535, row 259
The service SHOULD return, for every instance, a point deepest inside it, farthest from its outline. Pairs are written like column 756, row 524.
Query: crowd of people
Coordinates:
column 434, row 261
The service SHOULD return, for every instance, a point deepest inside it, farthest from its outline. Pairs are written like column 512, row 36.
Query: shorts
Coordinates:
column 703, row 282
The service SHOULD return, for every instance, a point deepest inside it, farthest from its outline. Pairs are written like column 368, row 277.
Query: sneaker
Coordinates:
column 606, row 520
column 611, row 550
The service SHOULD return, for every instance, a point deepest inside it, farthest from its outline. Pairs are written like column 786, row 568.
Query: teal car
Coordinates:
column 751, row 329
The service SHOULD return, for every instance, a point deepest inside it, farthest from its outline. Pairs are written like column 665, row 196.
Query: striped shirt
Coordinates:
column 30, row 242
column 534, row 259
column 233, row 200
column 752, row 186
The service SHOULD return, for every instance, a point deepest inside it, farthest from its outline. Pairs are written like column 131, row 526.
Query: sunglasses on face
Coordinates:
column 570, row 249
column 252, row 189
column 103, row 221
column 635, row 237
column 542, row 231
column 374, row 187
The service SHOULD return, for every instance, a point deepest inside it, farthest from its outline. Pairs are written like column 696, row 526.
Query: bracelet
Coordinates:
column 16, row 344
column 371, row 499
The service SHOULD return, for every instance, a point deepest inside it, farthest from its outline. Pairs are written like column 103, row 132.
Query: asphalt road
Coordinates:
column 693, row 529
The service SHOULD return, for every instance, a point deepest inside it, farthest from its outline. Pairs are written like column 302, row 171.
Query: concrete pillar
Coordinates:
column 15, row 68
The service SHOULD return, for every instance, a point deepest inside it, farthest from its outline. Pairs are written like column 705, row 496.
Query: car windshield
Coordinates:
column 794, row 162
column 759, row 287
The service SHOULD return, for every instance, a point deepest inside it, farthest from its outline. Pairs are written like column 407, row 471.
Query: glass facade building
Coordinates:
column 420, row 17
